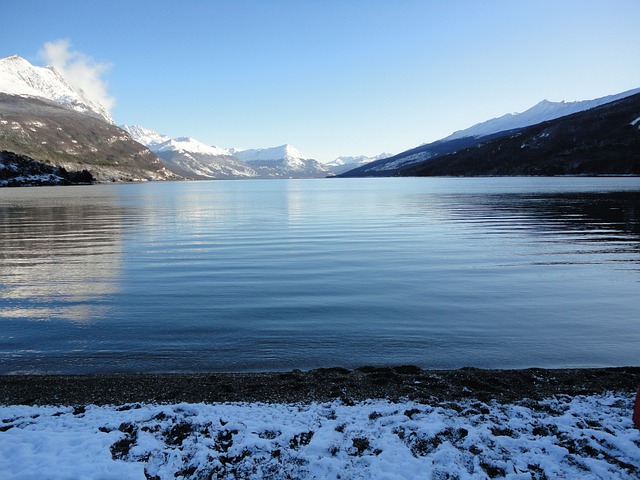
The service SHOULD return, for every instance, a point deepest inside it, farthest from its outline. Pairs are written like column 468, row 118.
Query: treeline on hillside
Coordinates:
column 20, row 170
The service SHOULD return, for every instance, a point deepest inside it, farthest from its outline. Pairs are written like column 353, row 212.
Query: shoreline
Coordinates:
column 395, row 384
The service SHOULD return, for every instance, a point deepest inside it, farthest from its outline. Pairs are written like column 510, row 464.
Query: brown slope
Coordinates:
column 52, row 134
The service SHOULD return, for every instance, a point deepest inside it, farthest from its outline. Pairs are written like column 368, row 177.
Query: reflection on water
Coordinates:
column 274, row 275
column 591, row 223
column 585, row 211
column 60, row 256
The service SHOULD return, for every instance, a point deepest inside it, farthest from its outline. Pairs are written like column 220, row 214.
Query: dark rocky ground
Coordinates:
column 392, row 383
column 20, row 170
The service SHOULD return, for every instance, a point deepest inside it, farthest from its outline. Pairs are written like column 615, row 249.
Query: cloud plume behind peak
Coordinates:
column 80, row 71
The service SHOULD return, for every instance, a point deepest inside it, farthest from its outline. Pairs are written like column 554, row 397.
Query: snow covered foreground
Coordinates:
column 586, row 437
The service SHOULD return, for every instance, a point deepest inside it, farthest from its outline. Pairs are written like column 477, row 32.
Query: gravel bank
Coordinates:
column 321, row 385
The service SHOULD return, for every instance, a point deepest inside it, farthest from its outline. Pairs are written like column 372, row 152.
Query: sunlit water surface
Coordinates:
column 283, row 274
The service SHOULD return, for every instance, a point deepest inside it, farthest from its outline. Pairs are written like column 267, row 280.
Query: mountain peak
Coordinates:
column 13, row 59
column 19, row 77
column 540, row 112
column 282, row 152
column 291, row 151
column 190, row 144
column 145, row 136
column 157, row 142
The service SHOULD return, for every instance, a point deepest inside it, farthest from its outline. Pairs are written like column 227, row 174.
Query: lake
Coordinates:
column 269, row 275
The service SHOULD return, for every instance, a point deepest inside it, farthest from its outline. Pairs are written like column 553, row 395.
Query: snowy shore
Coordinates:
column 546, row 432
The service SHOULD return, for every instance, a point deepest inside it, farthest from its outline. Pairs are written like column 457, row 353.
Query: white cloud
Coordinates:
column 80, row 71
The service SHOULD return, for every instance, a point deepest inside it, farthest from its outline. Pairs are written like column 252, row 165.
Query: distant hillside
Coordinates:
column 345, row 163
column 481, row 133
column 541, row 112
column 54, row 134
column 389, row 167
column 193, row 159
column 604, row 140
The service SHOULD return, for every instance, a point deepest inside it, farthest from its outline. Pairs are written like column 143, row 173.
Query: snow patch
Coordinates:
column 635, row 122
column 29, row 179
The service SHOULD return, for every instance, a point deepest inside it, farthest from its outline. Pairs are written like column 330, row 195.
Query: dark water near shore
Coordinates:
column 275, row 275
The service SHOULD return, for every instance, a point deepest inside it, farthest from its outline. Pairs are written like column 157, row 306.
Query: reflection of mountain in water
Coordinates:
column 617, row 213
column 609, row 222
column 58, row 260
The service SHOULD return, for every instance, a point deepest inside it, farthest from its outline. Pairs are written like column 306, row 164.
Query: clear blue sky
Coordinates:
column 335, row 77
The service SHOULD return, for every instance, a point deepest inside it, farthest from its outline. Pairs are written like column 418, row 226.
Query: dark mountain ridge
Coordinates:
column 388, row 167
column 604, row 140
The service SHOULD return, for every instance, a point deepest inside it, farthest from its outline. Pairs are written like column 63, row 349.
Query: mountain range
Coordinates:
column 479, row 134
column 44, row 120
column 193, row 159
column 604, row 140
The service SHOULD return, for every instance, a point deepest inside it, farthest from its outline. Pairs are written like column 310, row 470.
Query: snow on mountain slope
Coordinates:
column 463, row 139
column 19, row 77
column 283, row 152
column 542, row 112
column 190, row 144
column 205, row 166
column 147, row 137
column 346, row 163
column 189, row 157
column 157, row 142
column 283, row 161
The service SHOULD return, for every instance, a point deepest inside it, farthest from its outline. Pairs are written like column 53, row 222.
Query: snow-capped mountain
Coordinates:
column 599, row 141
column 19, row 77
column 541, row 112
column 190, row 144
column 204, row 166
column 189, row 157
column 283, row 161
column 147, row 137
column 481, row 132
column 346, row 163
column 192, row 158
column 283, row 152
column 43, row 117
column 157, row 142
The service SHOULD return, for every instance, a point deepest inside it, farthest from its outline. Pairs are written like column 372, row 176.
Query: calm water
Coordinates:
column 275, row 275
